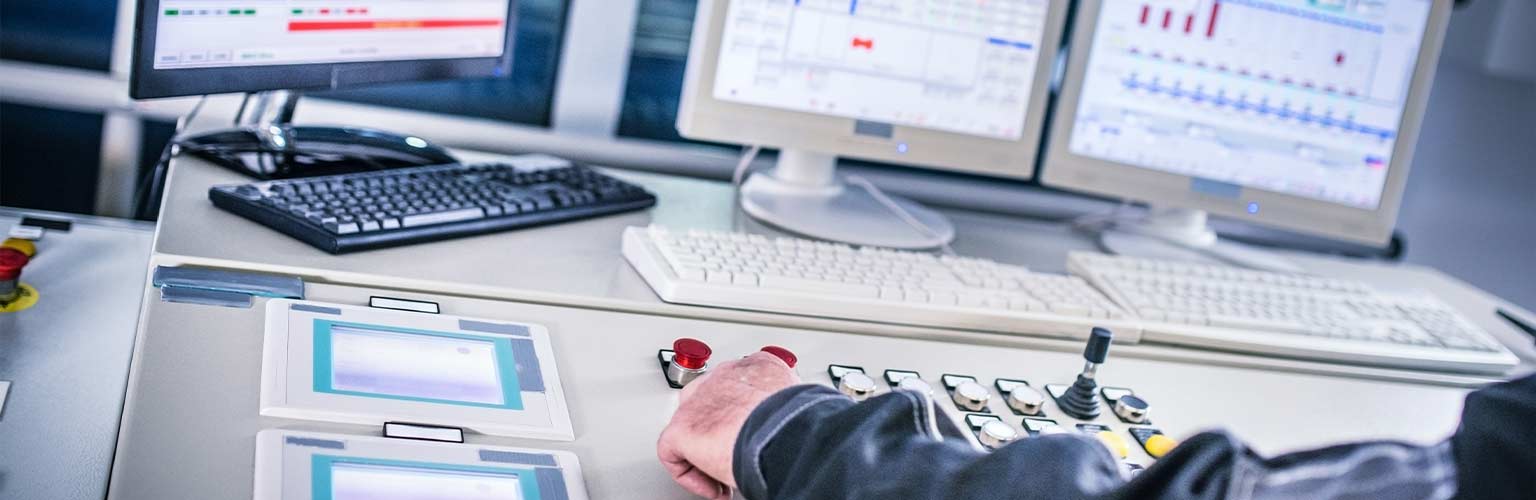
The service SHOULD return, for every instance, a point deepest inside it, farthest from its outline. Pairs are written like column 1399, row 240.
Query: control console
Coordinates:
column 997, row 409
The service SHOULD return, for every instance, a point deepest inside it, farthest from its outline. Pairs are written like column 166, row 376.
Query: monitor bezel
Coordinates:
column 703, row 117
column 1066, row 170
column 146, row 82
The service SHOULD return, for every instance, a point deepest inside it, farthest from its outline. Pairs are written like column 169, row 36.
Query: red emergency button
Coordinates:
column 11, row 262
column 690, row 353
column 782, row 353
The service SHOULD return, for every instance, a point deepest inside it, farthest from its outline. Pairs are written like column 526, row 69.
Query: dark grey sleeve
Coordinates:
column 810, row 442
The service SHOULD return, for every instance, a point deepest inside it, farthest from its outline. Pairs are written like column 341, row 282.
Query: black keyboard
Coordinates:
column 359, row 211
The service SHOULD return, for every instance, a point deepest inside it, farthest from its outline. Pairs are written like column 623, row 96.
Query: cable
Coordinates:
column 901, row 212
column 142, row 197
column 738, row 176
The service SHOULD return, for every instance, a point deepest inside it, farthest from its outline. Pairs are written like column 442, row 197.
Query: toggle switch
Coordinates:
column 690, row 359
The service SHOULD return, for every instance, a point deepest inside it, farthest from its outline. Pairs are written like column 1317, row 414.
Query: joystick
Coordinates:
column 1079, row 400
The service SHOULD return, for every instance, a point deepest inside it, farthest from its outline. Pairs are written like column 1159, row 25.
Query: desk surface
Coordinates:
column 67, row 358
column 580, row 264
column 183, row 440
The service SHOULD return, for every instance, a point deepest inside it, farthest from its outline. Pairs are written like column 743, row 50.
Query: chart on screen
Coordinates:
column 1301, row 97
column 223, row 33
column 961, row 66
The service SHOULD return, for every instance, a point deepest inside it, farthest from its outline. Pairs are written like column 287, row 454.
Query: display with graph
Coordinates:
column 232, row 33
column 962, row 66
column 1301, row 97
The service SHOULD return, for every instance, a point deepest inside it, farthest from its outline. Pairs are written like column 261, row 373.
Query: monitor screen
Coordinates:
column 233, row 33
column 372, row 481
column 1299, row 97
column 956, row 66
column 409, row 365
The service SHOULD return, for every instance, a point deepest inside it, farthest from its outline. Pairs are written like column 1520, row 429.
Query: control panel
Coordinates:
column 197, row 393
column 998, row 409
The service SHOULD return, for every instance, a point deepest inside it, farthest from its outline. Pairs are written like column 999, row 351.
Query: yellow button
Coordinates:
column 1159, row 445
column 21, row 245
column 1115, row 443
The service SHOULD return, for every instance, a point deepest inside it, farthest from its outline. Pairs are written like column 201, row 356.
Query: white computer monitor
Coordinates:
column 952, row 85
column 1298, row 114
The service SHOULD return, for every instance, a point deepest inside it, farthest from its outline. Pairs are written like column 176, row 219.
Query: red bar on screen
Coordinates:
column 1210, row 30
column 1189, row 23
column 1146, row 10
column 1167, row 18
column 392, row 25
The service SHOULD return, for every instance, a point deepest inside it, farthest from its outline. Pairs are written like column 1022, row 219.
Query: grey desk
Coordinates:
column 67, row 357
column 580, row 265
column 181, row 440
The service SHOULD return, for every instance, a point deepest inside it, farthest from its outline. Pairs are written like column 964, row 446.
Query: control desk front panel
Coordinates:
column 617, row 376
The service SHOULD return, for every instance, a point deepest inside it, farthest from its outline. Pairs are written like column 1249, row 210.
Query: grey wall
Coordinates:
column 1470, row 209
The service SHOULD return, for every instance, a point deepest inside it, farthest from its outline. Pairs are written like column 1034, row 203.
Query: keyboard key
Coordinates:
column 818, row 286
column 427, row 219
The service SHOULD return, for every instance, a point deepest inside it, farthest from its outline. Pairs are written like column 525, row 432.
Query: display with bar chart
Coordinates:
column 1301, row 97
column 963, row 66
column 228, row 33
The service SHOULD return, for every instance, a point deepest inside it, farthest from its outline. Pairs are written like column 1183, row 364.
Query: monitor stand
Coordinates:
column 1182, row 234
column 265, row 144
column 803, row 195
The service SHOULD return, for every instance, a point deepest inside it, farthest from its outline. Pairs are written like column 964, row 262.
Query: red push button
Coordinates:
column 690, row 353
column 11, row 262
column 782, row 353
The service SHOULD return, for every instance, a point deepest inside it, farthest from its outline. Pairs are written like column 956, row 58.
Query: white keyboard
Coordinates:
column 805, row 277
column 1290, row 315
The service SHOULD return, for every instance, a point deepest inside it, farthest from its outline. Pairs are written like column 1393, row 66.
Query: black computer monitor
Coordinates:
column 284, row 47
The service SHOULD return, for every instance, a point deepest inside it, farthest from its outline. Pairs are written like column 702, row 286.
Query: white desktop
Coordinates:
column 959, row 86
column 1296, row 114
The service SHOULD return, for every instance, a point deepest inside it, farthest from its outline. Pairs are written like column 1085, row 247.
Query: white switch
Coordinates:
column 5, row 388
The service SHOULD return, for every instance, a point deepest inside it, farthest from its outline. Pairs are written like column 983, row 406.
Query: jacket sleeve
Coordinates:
column 810, row 442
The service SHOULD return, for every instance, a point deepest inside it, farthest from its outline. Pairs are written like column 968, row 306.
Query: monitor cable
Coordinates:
column 151, row 185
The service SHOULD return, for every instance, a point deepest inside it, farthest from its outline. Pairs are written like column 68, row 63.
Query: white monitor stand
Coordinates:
column 804, row 195
column 1183, row 234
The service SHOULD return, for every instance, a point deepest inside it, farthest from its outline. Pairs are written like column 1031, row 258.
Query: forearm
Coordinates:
column 810, row 442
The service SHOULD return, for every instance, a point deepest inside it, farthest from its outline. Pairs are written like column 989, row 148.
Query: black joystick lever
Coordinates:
column 1079, row 400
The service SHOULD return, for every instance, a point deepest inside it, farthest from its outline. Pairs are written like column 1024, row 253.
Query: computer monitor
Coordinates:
column 1298, row 114
column 197, row 47
column 952, row 85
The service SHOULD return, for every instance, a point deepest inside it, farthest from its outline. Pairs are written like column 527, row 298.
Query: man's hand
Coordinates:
column 697, row 446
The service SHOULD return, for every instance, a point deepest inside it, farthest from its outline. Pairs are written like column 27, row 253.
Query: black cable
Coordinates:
column 152, row 182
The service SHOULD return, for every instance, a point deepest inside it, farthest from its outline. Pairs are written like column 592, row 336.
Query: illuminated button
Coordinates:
column 782, row 353
column 1131, row 408
column 1026, row 400
column 995, row 434
column 915, row 384
column 856, row 385
column 971, row 396
column 1158, row 445
column 1115, row 443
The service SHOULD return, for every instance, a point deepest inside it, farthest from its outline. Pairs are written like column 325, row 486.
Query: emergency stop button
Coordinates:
column 782, row 353
column 688, row 360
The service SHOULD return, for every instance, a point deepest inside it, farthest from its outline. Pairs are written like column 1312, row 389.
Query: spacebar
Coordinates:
column 818, row 286
column 442, row 217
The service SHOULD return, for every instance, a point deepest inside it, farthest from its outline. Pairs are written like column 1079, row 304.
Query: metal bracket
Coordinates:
column 217, row 287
